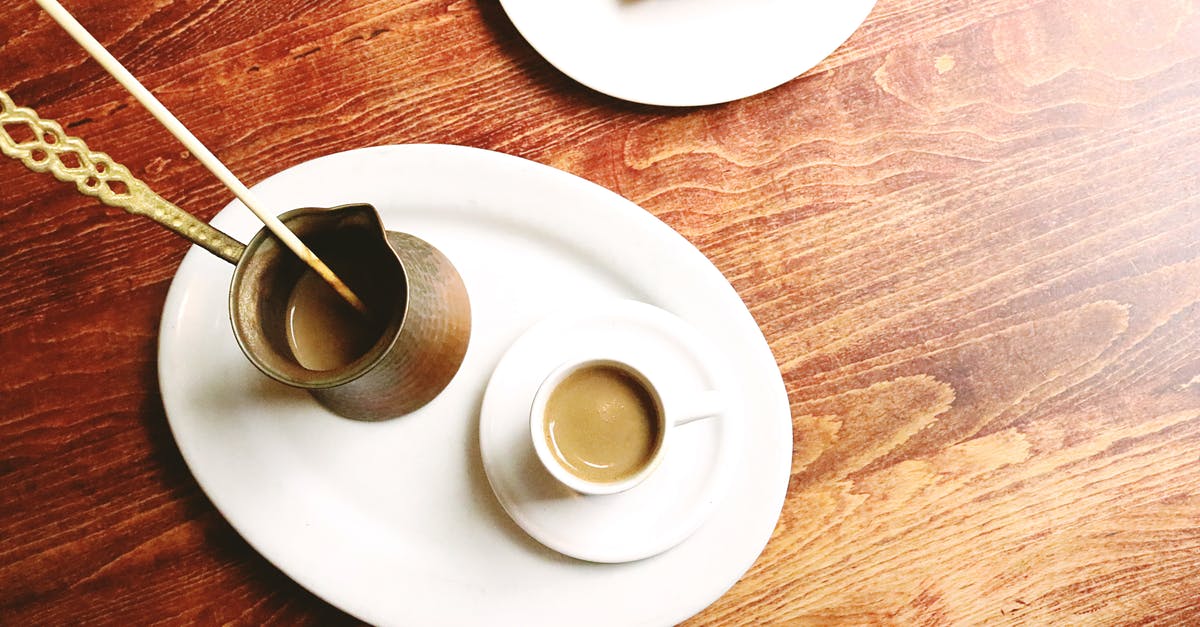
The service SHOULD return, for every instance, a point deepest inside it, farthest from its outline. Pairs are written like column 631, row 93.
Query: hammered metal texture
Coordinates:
column 424, row 340
column 429, row 348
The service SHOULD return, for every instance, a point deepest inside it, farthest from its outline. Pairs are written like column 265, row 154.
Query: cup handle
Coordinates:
column 707, row 404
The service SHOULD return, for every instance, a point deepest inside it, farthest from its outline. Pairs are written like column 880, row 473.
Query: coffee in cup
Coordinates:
column 600, row 426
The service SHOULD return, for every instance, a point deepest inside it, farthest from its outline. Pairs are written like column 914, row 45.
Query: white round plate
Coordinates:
column 394, row 522
column 685, row 52
column 671, row 503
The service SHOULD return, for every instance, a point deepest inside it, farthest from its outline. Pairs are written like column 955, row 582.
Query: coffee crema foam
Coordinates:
column 601, row 424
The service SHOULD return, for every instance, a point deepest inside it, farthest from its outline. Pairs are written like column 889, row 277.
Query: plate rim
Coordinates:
column 693, row 97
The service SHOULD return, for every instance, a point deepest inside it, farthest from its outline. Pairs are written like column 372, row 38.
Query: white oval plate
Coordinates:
column 685, row 52
column 394, row 522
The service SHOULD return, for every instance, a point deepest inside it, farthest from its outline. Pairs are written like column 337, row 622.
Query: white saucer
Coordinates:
column 668, row 506
column 395, row 522
column 685, row 52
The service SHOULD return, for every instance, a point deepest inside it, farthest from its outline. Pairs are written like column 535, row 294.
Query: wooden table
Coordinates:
column 971, row 237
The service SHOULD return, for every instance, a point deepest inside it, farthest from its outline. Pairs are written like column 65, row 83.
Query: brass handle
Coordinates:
column 96, row 174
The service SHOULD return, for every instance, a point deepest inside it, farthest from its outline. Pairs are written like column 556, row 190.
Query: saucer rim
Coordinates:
column 626, row 311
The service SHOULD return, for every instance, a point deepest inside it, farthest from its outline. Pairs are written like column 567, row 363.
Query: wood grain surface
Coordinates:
column 971, row 237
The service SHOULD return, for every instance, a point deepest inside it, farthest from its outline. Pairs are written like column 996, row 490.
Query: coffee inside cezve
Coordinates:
column 323, row 330
column 602, row 424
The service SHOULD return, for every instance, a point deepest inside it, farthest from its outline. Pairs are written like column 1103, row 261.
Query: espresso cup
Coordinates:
column 417, row 329
column 600, row 425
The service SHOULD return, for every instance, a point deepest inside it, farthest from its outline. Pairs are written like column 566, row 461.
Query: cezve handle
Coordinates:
column 96, row 174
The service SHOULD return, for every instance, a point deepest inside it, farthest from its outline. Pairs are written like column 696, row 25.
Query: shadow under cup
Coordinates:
column 416, row 298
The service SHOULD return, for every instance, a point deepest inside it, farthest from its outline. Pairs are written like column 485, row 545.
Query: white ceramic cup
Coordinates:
column 670, row 413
